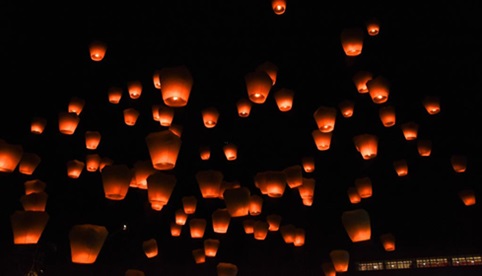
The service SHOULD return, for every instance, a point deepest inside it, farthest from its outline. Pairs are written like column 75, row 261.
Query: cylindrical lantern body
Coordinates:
column 205, row 152
column 387, row 115
column 180, row 217
column 28, row 226
column 114, row 94
column 260, row 230
column 34, row 186
column 116, row 179
column 166, row 115
column 221, row 219
column 410, row 130
column 189, row 204
column 175, row 229
column 130, row 116
column 274, row 221
column 199, row 256
column 76, row 105
column 248, row 225
column 373, row 26
column 300, row 235
column 288, row 233
column 142, row 169
column 360, row 78
column 156, row 79
column 307, row 191
column 270, row 68
column 230, row 151
column 353, row 195
column 352, row 41
column 255, row 205
column 37, row 125
column 210, row 116
column 278, row 6
column 275, row 182
column 86, row 241
column 135, row 89
column 424, row 147
column 401, row 167
column 346, row 108
column 34, row 201
column 322, row 139
column 459, row 163
column 134, row 272
column 258, row 85
column 163, row 148
column 75, row 168
column 226, row 269
column 388, row 241
column 366, row 145
column 308, row 163
column 211, row 247
column 92, row 139
column 284, row 99
column 92, row 162
column 357, row 224
column 97, row 50
column 325, row 117
column 68, row 122
column 197, row 227
column 209, row 182
column 468, row 197
column 431, row 104
column 364, row 186
column 176, row 85
column 159, row 189
column 237, row 201
column 244, row 107
column 28, row 163
column 379, row 89
column 294, row 176
column 150, row 248
column 340, row 259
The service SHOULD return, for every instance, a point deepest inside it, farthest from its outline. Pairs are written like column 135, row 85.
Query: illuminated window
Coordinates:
column 467, row 260
column 432, row 262
column 398, row 264
column 370, row 266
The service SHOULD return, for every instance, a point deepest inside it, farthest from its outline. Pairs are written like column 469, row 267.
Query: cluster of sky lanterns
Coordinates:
column 175, row 83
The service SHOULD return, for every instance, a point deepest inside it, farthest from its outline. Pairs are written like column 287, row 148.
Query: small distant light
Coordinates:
column 124, row 227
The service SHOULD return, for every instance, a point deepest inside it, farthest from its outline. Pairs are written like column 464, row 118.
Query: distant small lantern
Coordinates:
column 379, row 89
column 258, row 86
column 325, row 118
column 209, row 182
column 360, row 79
column 230, row 151
column 248, row 225
column 116, row 180
column 410, row 130
column 189, row 204
column 226, row 269
column 284, row 99
column 86, row 242
column 274, row 221
column 92, row 162
column 237, row 201
column 275, row 183
column 159, row 189
column 176, row 229
column 307, row 191
column 150, row 248
column 199, row 256
column 210, row 116
column 155, row 112
column 114, row 94
column 364, row 186
column 97, row 50
column 294, row 176
column 467, row 196
column 270, row 68
column 244, row 107
column 300, row 237
column 163, row 148
column 346, row 108
column 387, row 115
column 431, row 104
column 308, row 163
column 459, row 163
column 211, row 247
column 388, row 241
column 156, row 79
column 401, row 167
column 76, row 105
column 221, row 220
column 205, row 152
column 340, row 259
column 166, row 115
column 135, row 89
column 352, row 41
column 197, row 227
column 278, row 6
column 424, row 147
column 373, row 26
column 130, row 116
column 353, row 195
column 34, row 201
column 37, row 125
column 34, row 186
column 180, row 217
column 68, row 122
column 28, row 226
column 255, row 205
column 367, row 145
column 75, row 168
column 29, row 163
column 176, row 85
column 142, row 169
column 288, row 233
column 322, row 139
column 357, row 224
column 260, row 230
column 92, row 139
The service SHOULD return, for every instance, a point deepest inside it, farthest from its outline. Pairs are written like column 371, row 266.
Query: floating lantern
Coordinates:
column 150, row 248
column 468, row 197
column 34, row 201
column 28, row 163
column 431, row 104
column 211, row 247
column 340, row 259
column 210, row 117
column 325, row 117
column 156, row 79
column 410, row 130
column 197, row 227
column 230, row 151
column 294, row 176
column 366, row 145
column 255, row 205
column 209, row 182
column 68, row 122
column 28, row 226
column 278, row 6
column 260, row 230
column 237, row 201
column 352, row 41
column 360, row 79
column 424, row 147
column 114, row 94
column 459, row 163
column 166, row 115
column 176, row 229
column 284, row 99
column 308, row 163
column 373, row 26
column 163, row 148
column 189, row 204
column 274, row 221
column 159, row 189
column 130, row 116
column 92, row 162
column 134, row 88
column 387, row 115
column 97, row 50
column 86, row 241
column 346, row 108
column 288, row 233
column 379, row 89
column 180, row 217
column 258, row 85
column 116, row 179
column 92, row 139
column 364, row 186
column 34, row 186
column 353, row 195
column 37, row 125
column 388, row 241
column 204, row 152
column 176, row 85
column 75, row 168
column 226, row 269
column 244, row 107
column 76, row 105
column 401, row 167
column 221, row 220
column 322, row 139
column 199, row 256
column 357, row 225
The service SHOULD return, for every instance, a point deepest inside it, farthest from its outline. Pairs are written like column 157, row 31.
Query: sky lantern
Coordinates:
column 76, row 105
column 134, row 88
column 274, row 221
column 197, row 227
column 211, row 247
column 166, row 115
column 360, row 79
column 255, row 205
column 175, row 228
column 410, row 130
column 424, row 147
column 307, row 191
column 86, row 241
column 387, row 115
column 364, row 186
column 244, row 107
column 97, row 50
column 155, row 111
column 180, row 217
column 92, row 162
column 308, row 163
column 159, row 189
column 248, row 225
column 373, row 26
column 130, row 116
column 230, row 151
column 209, row 182
column 379, row 89
column 294, row 176
column 300, row 237
column 325, row 118
column 275, row 183
column 270, row 68
column 278, row 6
column 68, row 122
column 156, row 79
column 150, row 248
column 141, row 170
column 458, row 162
column 288, row 233
column 114, row 94
column 34, row 201
column 467, row 196
column 204, row 152
column 189, row 204
column 163, row 148
column 237, row 201
column 284, row 99
column 116, row 180
column 352, row 41
column 388, row 241
column 357, row 224
column 29, row 163
column 28, row 226
column 401, row 167
column 353, row 195
column 322, row 139
column 340, row 259
column 176, row 83
column 431, row 104
column 226, row 269
column 75, row 168
column 92, row 139
column 210, row 117
column 346, row 108
column 367, row 145
column 258, row 86
column 328, row 268
column 221, row 220
column 199, row 256
column 34, row 186
column 260, row 230
column 37, row 126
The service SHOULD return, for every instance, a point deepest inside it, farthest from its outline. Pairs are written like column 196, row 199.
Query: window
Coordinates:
column 468, row 260
column 402, row 264
column 431, row 262
column 370, row 266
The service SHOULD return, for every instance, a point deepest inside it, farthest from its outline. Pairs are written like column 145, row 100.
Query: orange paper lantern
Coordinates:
column 97, row 50
column 258, row 85
column 284, row 99
column 29, row 163
column 37, row 125
column 357, row 224
column 387, row 115
column 176, row 83
column 325, row 117
column 244, row 107
column 278, row 6
column 116, row 179
column 352, row 41
column 68, row 122
column 209, row 182
column 86, row 241
column 163, row 148
column 379, row 89
column 28, row 226
column 134, row 88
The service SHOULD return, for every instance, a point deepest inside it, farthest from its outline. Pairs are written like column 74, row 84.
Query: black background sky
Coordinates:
column 423, row 50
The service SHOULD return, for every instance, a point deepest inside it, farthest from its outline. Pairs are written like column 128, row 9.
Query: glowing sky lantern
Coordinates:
column 97, row 50
column 278, row 6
